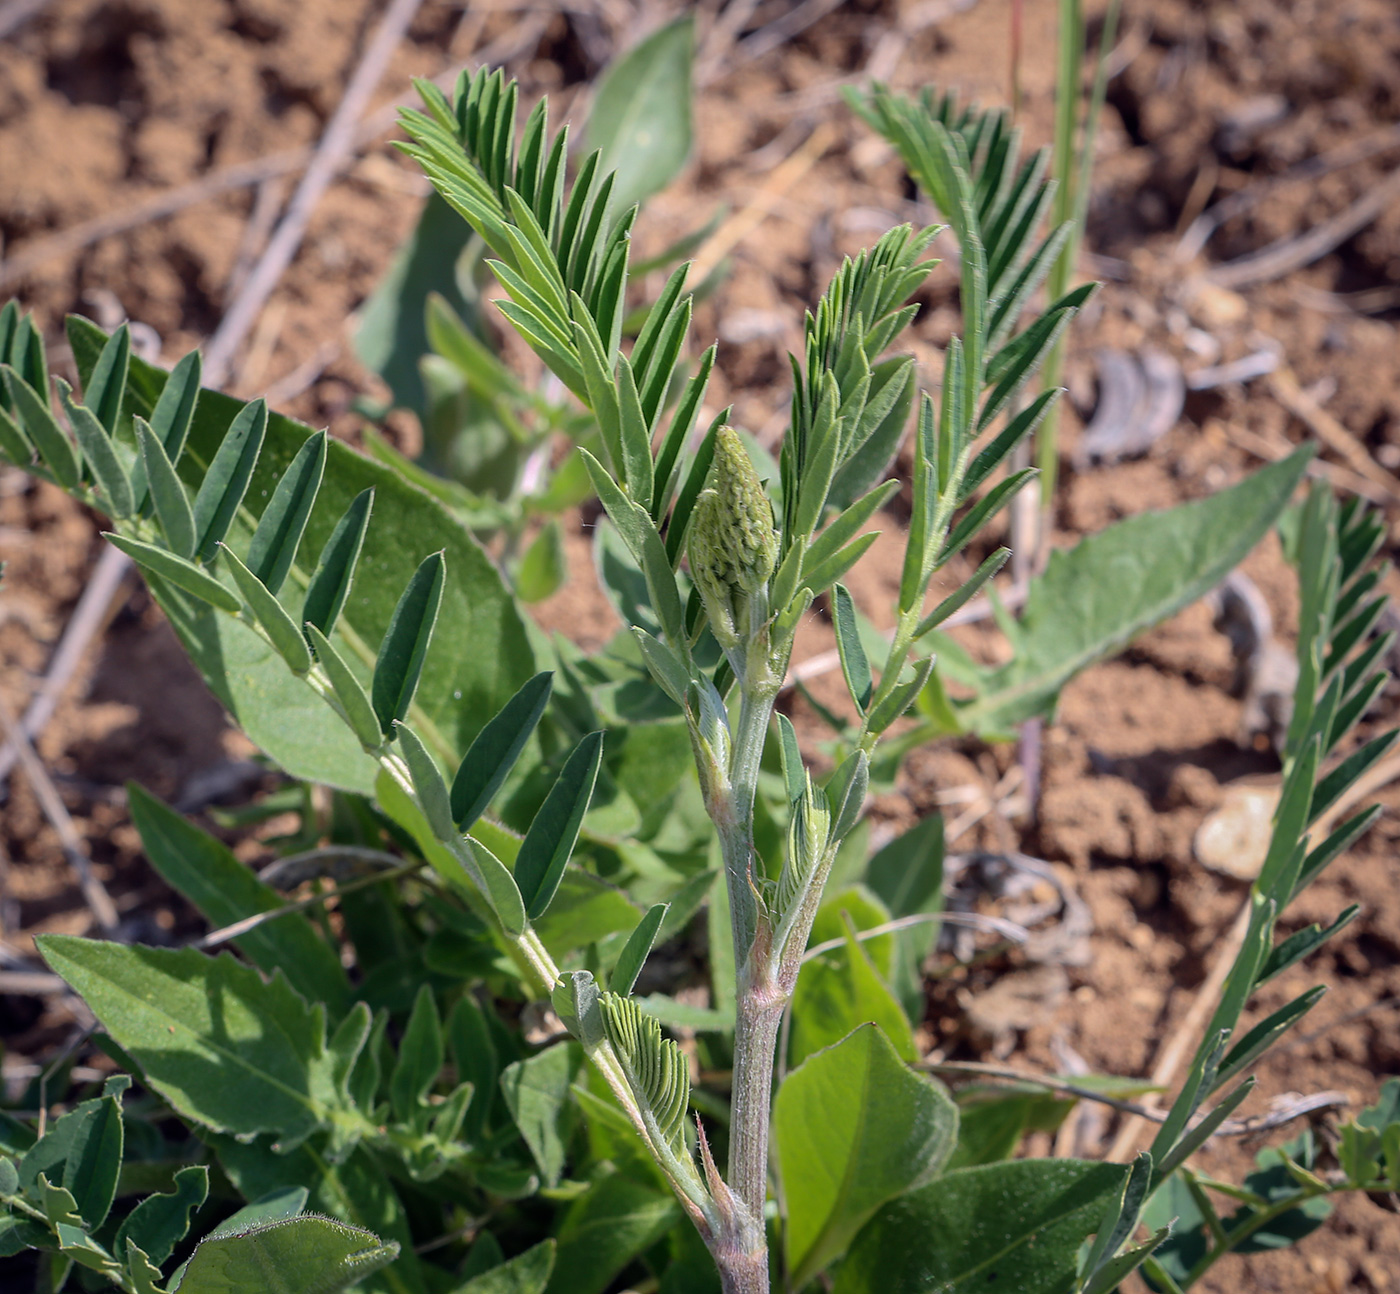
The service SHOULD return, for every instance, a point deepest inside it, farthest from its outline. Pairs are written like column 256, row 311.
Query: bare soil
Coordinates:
column 104, row 104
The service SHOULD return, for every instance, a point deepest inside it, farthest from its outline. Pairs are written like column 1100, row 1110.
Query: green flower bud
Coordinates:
column 732, row 545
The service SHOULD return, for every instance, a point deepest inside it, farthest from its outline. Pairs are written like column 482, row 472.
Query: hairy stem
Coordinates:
column 760, row 1012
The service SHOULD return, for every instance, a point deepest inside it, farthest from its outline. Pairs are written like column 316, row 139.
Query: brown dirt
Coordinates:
column 103, row 104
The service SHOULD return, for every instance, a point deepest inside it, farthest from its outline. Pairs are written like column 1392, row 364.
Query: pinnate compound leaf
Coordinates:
column 1013, row 1226
column 270, row 614
column 330, row 585
column 1094, row 598
column 405, row 645
column 81, row 1154
column 853, row 1128
column 283, row 521
column 545, row 851
column 227, row 1049
column 181, row 573
column 527, row 1273
column 226, row 481
column 302, row 1255
column 225, row 890
column 495, row 750
column 641, row 113
column 172, row 505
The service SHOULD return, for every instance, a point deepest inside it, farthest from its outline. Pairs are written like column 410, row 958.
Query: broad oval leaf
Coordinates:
column 853, row 1127
column 545, row 851
column 495, row 750
column 330, row 585
column 283, row 521
column 641, row 113
column 305, row 1255
column 1014, row 1226
column 226, row 481
column 401, row 654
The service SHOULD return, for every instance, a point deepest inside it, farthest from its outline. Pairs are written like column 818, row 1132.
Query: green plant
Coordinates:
column 488, row 436
column 492, row 851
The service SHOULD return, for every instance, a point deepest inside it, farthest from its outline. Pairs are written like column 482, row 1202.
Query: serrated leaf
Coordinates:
column 349, row 691
column 225, row 890
column 227, row 1049
column 159, row 1222
column 634, row 953
column 545, row 851
column 172, row 505
column 853, row 1127
column 496, row 748
column 283, row 522
column 39, row 424
column 641, row 113
column 226, row 480
column 180, row 572
column 270, row 614
column 95, row 441
column 405, row 646
column 304, row 1255
column 1019, row 1224
column 330, row 585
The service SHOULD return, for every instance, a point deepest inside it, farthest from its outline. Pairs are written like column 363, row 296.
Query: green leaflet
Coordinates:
column 33, row 416
column 634, row 953
column 96, row 444
column 82, row 1153
column 283, row 521
column 547, row 845
column 159, row 1222
column 268, row 612
column 330, row 584
column 180, row 572
column 187, row 1018
column 1019, row 1224
column 420, row 1058
column 349, row 691
column 854, row 663
column 172, row 505
column 304, row 1255
column 102, row 392
column 227, row 478
column 640, row 117
column 1095, row 597
column 496, row 748
column 405, row 647
column 544, row 568
column 225, row 890
column 853, row 1127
